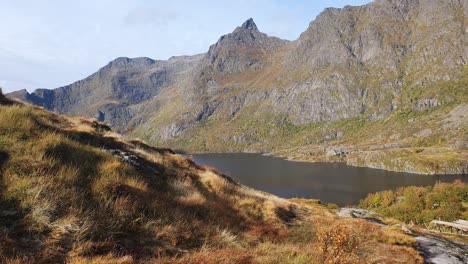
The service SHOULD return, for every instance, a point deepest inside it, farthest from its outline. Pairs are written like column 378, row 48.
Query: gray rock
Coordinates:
column 349, row 62
column 356, row 213
column 336, row 153
column 424, row 133
column 427, row 104
column 438, row 250
column 246, row 47
column 404, row 228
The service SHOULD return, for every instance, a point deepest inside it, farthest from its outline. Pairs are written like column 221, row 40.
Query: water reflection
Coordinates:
column 329, row 182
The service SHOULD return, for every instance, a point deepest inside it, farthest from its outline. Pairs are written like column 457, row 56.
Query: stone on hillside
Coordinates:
column 424, row 133
column 356, row 213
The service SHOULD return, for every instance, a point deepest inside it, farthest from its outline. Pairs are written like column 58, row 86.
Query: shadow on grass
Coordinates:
column 124, row 222
column 16, row 240
column 3, row 159
column 68, row 155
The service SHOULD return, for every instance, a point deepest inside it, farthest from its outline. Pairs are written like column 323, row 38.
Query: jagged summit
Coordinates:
column 246, row 47
column 139, row 61
column 249, row 24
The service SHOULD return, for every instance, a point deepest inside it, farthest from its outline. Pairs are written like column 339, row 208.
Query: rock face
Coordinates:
column 366, row 61
column 109, row 93
column 439, row 250
column 244, row 48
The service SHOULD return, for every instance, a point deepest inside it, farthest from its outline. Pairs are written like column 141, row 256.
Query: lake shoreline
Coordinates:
column 351, row 161
column 330, row 182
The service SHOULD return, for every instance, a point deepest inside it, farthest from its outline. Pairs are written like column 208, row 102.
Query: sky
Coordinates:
column 51, row 43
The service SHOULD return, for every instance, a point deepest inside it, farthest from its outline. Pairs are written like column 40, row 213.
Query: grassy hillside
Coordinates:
column 72, row 191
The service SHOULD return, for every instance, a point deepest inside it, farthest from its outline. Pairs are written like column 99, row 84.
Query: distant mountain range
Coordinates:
column 373, row 83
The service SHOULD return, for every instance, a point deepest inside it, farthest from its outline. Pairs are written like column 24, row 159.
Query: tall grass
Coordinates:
column 64, row 198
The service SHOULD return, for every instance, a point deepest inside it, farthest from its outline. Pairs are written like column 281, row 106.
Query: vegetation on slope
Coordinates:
column 72, row 191
column 429, row 139
column 420, row 205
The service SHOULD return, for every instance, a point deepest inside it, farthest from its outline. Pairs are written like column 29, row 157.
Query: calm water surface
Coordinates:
column 330, row 182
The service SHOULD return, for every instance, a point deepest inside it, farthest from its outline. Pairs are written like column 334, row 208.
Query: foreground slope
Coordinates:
column 70, row 190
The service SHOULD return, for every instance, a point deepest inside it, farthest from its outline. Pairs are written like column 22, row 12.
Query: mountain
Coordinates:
column 244, row 48
column 383, row 84
column 72, row 191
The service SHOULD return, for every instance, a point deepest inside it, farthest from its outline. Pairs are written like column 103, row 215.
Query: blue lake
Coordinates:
column 330, row 182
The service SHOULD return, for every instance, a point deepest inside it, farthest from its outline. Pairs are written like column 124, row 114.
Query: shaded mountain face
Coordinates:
column 250, row 90
column 108, row 93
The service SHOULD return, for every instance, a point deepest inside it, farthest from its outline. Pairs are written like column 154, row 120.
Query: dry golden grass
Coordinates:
column 63, row 198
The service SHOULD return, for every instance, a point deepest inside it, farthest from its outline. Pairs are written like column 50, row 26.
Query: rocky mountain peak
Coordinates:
column 245, row 47
column 131, row 62
column 249, row 25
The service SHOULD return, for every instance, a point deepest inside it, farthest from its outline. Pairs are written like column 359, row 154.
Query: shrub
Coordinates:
column 337, row 244
column 421, row 205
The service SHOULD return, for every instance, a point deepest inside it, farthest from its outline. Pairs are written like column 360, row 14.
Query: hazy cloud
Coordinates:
column 150, row 16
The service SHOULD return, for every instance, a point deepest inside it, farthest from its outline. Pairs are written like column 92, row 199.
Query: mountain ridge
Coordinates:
column 352, row 69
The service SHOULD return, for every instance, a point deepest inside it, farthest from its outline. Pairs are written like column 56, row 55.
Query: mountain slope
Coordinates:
column 72, row 191
column 353, row 69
